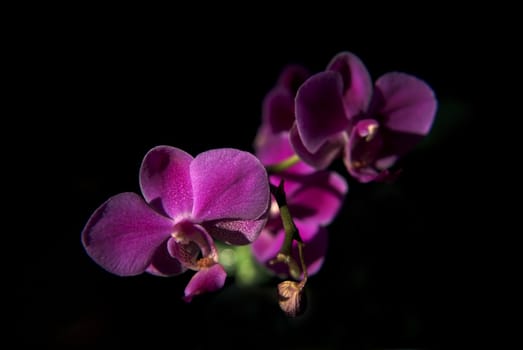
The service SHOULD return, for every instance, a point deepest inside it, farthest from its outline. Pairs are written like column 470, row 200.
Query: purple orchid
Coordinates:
column 220, row 194
column 339, row 111
column 314, row 200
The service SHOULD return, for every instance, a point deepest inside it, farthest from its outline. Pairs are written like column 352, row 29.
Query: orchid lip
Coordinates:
column 193, row 247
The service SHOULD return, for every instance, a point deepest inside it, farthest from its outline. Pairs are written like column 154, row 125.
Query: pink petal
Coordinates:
column 165, row 180
column 124, row 233
column 229, row 184
column 318, row 197
column 407, row 103
column 357, row 83
column 320, row 113
column 236, row 232
column 204, row 281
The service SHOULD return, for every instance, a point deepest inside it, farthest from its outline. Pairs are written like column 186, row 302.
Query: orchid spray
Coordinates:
column 278, row 200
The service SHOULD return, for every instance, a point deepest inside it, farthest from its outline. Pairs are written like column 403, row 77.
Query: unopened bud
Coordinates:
column 294, row 269
column 291, row 298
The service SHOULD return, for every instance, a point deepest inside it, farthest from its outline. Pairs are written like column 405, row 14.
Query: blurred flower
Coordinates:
column 339, row 111
column 220, row 194
column 314, row 201
column 272, row 144
column 278, row 104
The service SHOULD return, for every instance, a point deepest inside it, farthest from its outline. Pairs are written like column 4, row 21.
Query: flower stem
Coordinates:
column 291, row 234
column 283, row 165
column 302, row 261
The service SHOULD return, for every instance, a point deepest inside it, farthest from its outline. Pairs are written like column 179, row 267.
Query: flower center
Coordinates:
column 193, row 246
column 367, row 144
column 205, row 262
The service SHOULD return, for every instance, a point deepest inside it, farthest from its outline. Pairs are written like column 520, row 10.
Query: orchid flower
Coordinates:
column 187, row 203
column 314, row 201
column 340, row 112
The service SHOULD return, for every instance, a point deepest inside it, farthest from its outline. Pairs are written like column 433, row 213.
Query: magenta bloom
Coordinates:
column 340, row 111
column 314, row 200
column 220, row 194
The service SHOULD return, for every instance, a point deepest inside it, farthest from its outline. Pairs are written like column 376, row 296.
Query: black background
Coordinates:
column 104, row 89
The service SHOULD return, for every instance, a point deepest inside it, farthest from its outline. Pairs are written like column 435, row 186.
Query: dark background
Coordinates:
column 105, row 89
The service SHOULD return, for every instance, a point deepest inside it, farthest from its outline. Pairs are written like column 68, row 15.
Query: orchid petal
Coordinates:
column 165, row 180
column 204, row 281
column 357, row 83
column 229, row 184
column 407, row 104
column 123, row 234
column 163, row 264
column 236, row 232
column 320, row 112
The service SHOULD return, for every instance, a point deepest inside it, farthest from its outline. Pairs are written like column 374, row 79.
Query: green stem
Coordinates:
column 302, row 261
column 291, row 234
column 283, row 165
